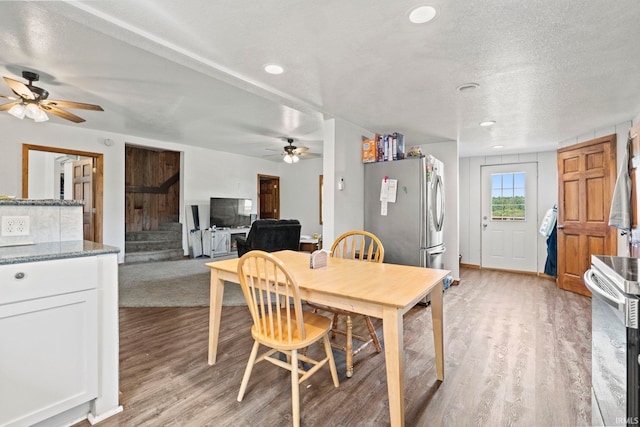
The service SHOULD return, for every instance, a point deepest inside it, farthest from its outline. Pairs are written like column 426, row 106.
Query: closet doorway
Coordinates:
column 85, row 171
column 268, row 197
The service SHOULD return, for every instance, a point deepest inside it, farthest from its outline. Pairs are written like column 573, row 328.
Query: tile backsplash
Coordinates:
column 48, row 222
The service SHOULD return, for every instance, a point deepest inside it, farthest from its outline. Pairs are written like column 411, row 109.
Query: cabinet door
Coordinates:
column 219, row 242
column 48, row 356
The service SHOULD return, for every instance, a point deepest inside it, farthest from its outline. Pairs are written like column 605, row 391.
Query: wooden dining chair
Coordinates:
column 366, row 247
column 279, row 323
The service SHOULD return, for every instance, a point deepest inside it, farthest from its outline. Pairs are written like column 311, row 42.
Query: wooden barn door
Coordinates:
column 152, row 190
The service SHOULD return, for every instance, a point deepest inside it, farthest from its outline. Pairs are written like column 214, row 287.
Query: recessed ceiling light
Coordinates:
column 497, row 146
column 422, row 14
column 273, row 69
column 467, row 87
column 488, row 123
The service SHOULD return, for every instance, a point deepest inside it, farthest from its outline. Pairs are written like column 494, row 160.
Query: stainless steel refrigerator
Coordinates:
column 412, row 229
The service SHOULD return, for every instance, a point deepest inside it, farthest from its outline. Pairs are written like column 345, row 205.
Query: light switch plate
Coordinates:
column 15, row 226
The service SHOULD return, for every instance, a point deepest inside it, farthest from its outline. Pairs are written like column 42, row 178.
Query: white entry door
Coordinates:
column 509, row 216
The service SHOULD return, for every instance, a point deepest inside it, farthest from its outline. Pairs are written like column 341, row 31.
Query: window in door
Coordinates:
column 508, row 196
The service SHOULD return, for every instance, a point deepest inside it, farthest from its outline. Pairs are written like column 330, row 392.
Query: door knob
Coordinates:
column 484, row 225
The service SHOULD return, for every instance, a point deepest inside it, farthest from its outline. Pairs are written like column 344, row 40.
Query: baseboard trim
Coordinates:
column 546, row 276
column 474, row 266
column 97, row 418
column 527, row 273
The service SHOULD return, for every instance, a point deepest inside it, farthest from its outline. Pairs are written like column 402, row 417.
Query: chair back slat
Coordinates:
column 358, row 245
column 272, row 296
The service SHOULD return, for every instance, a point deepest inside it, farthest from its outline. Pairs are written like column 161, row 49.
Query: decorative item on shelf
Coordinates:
column 383, row 148
column 414, row 152
column 318, row 259
column 368, row 150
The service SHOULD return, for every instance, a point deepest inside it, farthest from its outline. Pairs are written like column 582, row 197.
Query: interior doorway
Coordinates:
column 586, row 178
column 88, row 187
column 268, row 197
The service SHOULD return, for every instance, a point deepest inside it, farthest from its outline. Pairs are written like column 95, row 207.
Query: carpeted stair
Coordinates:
column 162, row 244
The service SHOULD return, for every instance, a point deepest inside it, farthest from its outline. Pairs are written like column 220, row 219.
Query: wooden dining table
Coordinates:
column 384, row 291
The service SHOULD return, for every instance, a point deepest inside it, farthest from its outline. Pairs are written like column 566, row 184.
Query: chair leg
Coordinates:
column 295, row 388
column 372, row 331
column 332, row 363
column 247, row 371
column 349, row 346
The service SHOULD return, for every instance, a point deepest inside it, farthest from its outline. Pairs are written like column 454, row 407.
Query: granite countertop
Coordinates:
column 53, row 250
column 40, row 202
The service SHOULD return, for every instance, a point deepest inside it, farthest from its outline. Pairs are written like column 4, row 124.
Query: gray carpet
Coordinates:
column 183, row 283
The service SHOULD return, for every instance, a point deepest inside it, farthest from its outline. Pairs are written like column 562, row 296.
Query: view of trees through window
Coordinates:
column 507, row 196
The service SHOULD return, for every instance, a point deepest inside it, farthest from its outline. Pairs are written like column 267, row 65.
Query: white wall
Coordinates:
column 447, row 152
column 205, row 173
column 300, row 196
column 343, row 210
column 42, row 174
column 470, row 203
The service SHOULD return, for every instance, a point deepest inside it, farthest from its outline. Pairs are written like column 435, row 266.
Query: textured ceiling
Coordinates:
column 191, row 71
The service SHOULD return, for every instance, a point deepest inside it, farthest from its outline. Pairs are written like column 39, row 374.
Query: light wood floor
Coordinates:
column 517, row 353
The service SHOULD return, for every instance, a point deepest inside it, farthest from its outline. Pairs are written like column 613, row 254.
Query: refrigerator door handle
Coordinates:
column 441, row 251
column 438, row 214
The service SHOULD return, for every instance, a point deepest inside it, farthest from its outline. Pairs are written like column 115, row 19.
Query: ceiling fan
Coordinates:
column 292, row 154
column 32, row 101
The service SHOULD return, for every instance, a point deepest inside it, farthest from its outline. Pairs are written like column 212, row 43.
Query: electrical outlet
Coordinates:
column 15, row 226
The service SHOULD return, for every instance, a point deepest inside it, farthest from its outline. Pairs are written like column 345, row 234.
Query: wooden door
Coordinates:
column 586, row 178
column 83, row 190
column 634, row 163
column 268, row 197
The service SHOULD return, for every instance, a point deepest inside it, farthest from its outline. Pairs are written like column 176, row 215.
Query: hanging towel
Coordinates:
column 620, row 214
column 549, row 221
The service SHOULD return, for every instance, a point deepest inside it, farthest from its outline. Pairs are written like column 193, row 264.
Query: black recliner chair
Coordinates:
column 271, row 235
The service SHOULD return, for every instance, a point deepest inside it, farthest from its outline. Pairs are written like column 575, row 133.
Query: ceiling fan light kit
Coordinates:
column 290, row 153
column 291, row 158
column 33, row 102
column 18, row 111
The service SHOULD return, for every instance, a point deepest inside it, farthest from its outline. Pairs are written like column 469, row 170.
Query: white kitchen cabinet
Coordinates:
column 48, row 338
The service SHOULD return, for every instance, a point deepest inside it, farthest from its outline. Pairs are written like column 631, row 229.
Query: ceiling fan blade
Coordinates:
column 13, row 98
column 309, row 154
column 301, row 149
column 69, row 104
column 5, row 107
column 19, row 88
column 62, row 113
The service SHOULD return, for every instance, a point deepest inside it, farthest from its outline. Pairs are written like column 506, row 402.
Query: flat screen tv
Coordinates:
column 231, row 213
